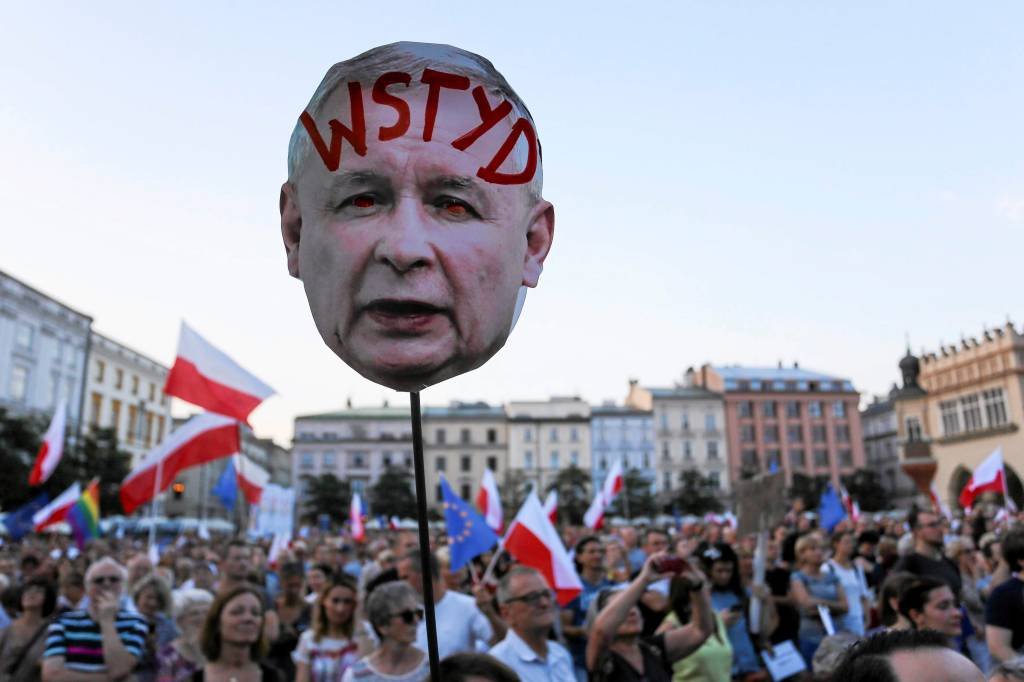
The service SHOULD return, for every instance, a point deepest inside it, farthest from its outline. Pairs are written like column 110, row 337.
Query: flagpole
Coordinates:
column 421, row 510
column 152, row 506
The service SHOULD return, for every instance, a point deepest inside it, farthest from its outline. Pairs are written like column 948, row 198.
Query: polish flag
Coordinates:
column 393, row 523
column 203, row 438
column 488, row 502
column 851, row 506
column 937, row 504
column 534, row 542
column 58, row 508
column 206, row 376
column 51, row 450
column 551, row 506
column 988, row 477
column 251, row 477
column 355, row 517
column 594, row 518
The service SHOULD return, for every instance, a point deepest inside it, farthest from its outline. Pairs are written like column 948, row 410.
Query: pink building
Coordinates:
column 790, row 419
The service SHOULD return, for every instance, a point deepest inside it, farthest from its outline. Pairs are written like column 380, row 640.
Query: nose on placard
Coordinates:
column 404, row 243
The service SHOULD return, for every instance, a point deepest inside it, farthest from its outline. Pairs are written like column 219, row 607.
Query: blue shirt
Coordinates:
column 578, row 607
column 744, row 657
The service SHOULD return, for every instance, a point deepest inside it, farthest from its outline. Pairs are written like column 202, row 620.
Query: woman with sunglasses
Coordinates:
column 394, row 611
column 327, row 649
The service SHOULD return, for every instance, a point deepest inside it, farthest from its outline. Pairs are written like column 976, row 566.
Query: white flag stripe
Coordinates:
column 218, row 365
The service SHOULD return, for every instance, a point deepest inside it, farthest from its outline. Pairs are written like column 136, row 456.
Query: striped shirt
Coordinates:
column 77, row 638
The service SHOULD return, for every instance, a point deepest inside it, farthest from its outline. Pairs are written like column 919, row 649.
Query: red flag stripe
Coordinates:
column 36, row 477
column 530, row 551
column 185, row 381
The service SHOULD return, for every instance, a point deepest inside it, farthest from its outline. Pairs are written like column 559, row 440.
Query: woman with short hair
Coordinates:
column 394, row 610
column 811, row 588
column 183, row 656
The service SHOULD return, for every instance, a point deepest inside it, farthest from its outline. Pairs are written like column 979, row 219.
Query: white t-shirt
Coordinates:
column 855, row 586
column 460, row 626
column 327, row 659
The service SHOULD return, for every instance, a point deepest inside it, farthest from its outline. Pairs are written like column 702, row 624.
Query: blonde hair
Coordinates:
column 805, row 542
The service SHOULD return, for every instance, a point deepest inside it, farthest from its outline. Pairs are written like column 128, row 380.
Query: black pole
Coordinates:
column 421, row 510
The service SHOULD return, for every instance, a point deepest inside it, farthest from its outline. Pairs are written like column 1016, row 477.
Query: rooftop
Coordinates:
column 460, row 410
column 685, row 392
column 361, row 413
column 781, row 379
column 617, row 411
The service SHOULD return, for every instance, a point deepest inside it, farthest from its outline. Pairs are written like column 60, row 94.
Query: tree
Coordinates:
column 573, row 487
column 513, row 493
column 393, row 494
column 865, row 487
column 697, row 494
column 325, row 494
column 808, row 489
column 636, row 490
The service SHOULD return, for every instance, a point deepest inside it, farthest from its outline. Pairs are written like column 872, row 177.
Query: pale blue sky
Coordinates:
column 735, row 182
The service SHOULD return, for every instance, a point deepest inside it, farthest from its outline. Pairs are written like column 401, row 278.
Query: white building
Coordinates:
column 124, row 391
column 355, row 444
column 621, row 433
column 43, row 348
column 460, row 441
column 547, row 436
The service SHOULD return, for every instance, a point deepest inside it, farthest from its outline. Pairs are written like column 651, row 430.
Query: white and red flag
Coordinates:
column 203, row 438
column 937, row 504
column 206, row 376
column 355, row 517
column 988, row 477
column 52, row 448
column 594, row 517
column 58, row 508
column 251, row 477
column 489, row 504
column 551, row 506
column 534, row 542
column 851, row 506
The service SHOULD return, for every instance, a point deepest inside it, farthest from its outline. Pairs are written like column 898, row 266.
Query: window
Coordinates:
column 664, row 420
column 814, row 409
column 553, row 437
column 710, row 423
column 747, row 433
column 159, row 428
column 492, row 435
column 24, row 335
column 528, row 459
column 842, row 433
column 686, row 421
column 768, row 409
column 712, row 449
column 330, row 462
column 773, row 458
column 115, row 415
column 440, row 436
column 133, row 423
column 465, row 463
column 771, row 434
column 149, row 429
column 135, row 385
column 465, row 491
column 665, row 453
column 358, row 460
column 819, row 433
column 647, row 460
column 745, row 409
column 306, row 462
column 950, row 417
column 359, row 486
column 101, row 368
column 18, row 386
column 821, row 458
column 152, row 391
column 527, row 435
column 96, row 405
column 574, row 458
column 846, row 458
column 995, row 407
column 440, row 464
column 492, row 463
column 574, row 435
column 839, row 409
column 554, row 459
column 971, row 407
column 687, row 451
column 748, row 458
column 714, row 479
column 797, row 459
column 666, row 481
column 464, row 436
column 795, row 433
column 793, row 409
column 119, row 379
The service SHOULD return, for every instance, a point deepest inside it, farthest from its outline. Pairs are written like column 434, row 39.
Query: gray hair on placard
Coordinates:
column 412, row 58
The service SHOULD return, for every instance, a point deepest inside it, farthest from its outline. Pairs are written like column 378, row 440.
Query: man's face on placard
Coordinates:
column 411, row 263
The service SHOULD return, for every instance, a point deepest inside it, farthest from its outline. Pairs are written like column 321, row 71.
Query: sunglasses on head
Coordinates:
column 106, row 580
column 409, row 616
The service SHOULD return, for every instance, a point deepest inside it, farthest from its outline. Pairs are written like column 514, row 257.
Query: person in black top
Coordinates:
column 616, row 652
column 928, row 559
column 1004, row 612
column 233, row 640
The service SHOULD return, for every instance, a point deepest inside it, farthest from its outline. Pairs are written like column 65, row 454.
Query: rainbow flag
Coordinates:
column 84, row 515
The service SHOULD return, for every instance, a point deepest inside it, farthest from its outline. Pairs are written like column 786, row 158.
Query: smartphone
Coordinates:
column 672, row 564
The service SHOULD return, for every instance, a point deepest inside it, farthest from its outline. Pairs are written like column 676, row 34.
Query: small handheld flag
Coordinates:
column 84, row 515
column 468, row 534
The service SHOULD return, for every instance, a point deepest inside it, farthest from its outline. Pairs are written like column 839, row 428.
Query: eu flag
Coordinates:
column 468, row 533
column 830, row 510
column 226, row 487
column 19, row 522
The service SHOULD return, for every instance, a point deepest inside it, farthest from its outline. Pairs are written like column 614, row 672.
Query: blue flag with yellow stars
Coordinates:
column 468, row 533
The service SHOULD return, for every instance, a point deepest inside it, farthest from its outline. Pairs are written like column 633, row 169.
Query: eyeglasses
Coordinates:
column 106, row 580
column 409, row 616
column 532, row 598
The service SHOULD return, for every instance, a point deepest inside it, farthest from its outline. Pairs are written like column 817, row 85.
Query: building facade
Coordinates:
column 460, row 441
column 688, row 428
column 545, row 437
column 621, row 433
column 124, row 391
column 787, row 419
column 882, row 450
column 44, row 345
column 355, row 444
column 957, row 405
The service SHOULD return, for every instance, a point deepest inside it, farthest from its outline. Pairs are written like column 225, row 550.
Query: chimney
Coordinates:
column 780, row 364
column 796, row 365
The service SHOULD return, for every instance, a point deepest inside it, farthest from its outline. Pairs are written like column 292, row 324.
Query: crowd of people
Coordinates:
column 867, row 601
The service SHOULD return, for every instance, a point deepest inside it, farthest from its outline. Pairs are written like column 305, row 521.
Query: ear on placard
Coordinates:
column 539, row 235
column 291, row 227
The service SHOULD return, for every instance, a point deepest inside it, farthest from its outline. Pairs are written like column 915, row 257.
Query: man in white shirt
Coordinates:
column 461, row 625
column 528, row 606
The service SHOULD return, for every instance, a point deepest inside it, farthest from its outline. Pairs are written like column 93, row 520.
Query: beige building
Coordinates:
column 460, row 441
column 959, row 404
column 545, row 437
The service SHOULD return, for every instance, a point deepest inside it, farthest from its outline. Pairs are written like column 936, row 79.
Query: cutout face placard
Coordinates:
column 413, row 212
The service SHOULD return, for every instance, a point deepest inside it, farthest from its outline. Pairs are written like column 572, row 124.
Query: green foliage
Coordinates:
column 636, row 495
column 513, row 493
column 697, row 495
column 393, row 494
column 865, row 487
column 573, row 486
column 325, row 494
